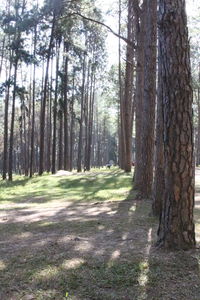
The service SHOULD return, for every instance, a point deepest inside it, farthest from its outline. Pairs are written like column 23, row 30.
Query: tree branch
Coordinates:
column 102, row 24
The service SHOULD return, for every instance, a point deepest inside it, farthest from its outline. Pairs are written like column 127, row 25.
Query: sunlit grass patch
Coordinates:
column 94, row 186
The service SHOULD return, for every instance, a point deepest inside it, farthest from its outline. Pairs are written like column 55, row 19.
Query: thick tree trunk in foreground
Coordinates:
column 176, row 229
column 198, row 128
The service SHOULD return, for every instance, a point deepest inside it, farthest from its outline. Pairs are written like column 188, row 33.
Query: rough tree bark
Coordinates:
column 158, row 185
column 140, row 20
column 127, row 107
column 176, row 229
column 198, row 126
column 148, row 104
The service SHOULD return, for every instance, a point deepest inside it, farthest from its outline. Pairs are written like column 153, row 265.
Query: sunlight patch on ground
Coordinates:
column 72, row 263
column 132, row 208
column 62, row 173
column 46, row 273
column 144, row 267
column 83, row 246
column 2, row 265
column 115, row 255
column 23, row 235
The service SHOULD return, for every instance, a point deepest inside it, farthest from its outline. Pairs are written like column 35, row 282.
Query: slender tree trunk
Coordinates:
column 72, row 126
column 66, row 115
column 10, row 169
column 49, row 122
column 60, row 146
column 5, row 150
column 176, row 229
column 25, row 143
column 90, row 120
column 121, row 143
column 127, row 108
column 86, row 115
column 80, row 140
column 55, row 112
column 43, row 107
column 33, row 109
column 2, row 54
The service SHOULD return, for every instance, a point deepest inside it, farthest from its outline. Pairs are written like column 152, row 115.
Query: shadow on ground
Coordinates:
column 97, row 251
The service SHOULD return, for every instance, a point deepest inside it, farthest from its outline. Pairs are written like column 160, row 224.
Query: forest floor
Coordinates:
column 82, row 237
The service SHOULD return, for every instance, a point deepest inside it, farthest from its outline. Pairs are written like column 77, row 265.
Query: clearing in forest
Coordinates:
column 82, row 236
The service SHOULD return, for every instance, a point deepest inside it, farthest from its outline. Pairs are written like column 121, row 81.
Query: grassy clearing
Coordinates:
column 62, row 239
column 99, row 185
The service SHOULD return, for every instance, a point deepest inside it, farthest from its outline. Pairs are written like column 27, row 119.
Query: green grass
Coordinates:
column 112, row 185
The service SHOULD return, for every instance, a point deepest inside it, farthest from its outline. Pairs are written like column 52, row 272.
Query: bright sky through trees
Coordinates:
column 110, row 7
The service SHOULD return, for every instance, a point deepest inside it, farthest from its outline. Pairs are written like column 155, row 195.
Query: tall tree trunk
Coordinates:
column 90, row 120
column 60, row 145
column 148, row 113
column 2, row 54
column 86, row 111
column 5, row 149
column 10, row 169
column 198, row 126
column 66, row 115
column 33, row 110
column 49, row 121
column 121, row 143
column 43, row 107
column 159, row 176
column 7, row 97
column 80, row 140
column 176, row 228
column 140, row 19
column 55, row 111
column 72, row 125
column 127, row 108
